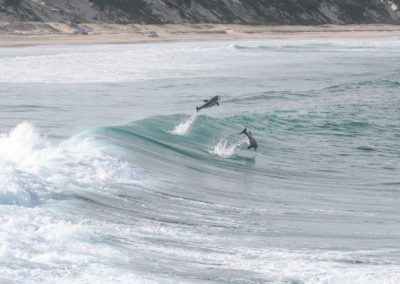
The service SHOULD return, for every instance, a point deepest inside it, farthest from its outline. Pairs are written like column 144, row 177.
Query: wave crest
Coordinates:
column 31, row 170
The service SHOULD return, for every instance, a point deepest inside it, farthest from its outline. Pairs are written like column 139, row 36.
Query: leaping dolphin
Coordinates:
column 252, row 141
column 209, row 103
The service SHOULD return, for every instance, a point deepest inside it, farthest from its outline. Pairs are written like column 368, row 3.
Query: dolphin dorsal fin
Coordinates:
column 244, row 131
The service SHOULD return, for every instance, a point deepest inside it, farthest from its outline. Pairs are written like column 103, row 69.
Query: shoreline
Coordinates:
column 39, row 34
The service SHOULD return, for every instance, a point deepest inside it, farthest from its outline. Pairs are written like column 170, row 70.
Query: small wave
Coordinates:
column 226, row 148
column 184, row 127
column 366, row 149
column 302, row 46
column 239, row 46
column 377, row 83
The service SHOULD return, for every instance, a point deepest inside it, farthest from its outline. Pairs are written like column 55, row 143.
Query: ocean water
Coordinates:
column 107, row 174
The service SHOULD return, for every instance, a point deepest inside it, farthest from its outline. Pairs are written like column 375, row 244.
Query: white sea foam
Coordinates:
column 184, row 127
column 43, row 245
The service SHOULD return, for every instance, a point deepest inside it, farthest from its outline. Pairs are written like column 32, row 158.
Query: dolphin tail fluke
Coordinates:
column 244, row 131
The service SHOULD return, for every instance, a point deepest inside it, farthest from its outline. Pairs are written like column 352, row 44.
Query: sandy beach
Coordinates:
column 31, row 33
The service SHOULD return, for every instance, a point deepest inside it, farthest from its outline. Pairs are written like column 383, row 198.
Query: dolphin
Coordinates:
column 252, row 141
column 209, row 103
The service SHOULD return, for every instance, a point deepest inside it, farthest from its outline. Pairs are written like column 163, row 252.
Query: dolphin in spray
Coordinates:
column 252, row 141
column 209, row 103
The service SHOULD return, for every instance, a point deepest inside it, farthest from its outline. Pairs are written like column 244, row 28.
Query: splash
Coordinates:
column 226, row 148
column 22, row 147
column 184, row 127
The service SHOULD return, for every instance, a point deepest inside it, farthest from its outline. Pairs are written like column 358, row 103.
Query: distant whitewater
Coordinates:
column 106, row 175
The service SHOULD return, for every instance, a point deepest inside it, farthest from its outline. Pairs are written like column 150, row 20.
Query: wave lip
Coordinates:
column 22, row 152
column 23, row 148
